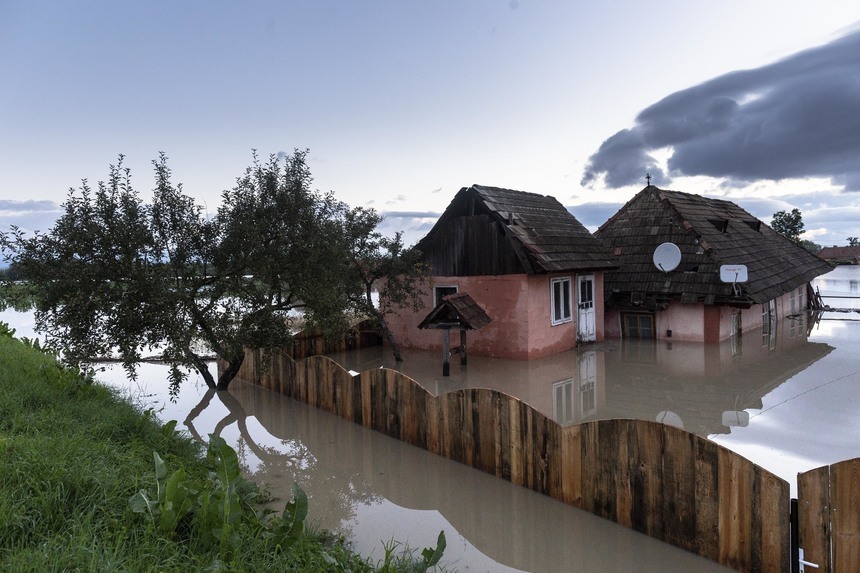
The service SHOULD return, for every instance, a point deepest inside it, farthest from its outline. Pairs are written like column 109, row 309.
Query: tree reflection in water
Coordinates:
column 290, row 461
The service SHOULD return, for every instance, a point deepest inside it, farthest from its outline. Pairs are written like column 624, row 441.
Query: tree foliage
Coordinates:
column 116, row 275
column 383, row 263
column 789, row 225
column 853, row 241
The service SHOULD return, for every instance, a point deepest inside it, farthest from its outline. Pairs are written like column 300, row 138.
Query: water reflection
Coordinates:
column 840, row 287
column 371, row 488
column 704, row 388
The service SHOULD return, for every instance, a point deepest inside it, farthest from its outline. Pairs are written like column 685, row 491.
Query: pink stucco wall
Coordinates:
column 701, row 323
column 519, row 306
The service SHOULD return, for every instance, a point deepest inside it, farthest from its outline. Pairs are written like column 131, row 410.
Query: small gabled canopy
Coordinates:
column 456, row 311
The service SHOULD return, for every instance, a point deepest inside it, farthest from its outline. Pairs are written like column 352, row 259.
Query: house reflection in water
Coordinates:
column 703, row 388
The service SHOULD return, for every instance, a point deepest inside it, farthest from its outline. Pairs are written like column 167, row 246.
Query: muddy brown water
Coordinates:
column 787, row 400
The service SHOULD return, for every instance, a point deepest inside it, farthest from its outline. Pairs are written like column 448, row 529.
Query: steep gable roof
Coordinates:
column 457, row 310
column 709, row 233
column 490, row 231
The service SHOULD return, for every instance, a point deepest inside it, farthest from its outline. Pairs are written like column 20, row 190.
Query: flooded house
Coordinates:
column 699, row 269
column 529, row 264
column 840, row 255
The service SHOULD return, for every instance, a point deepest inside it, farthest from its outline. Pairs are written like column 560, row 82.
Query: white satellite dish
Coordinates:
column 667, row 257
column 736, row 419
column 670, row 418
column 733, row 273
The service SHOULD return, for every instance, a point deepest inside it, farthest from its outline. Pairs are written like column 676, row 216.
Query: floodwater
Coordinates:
column 785, row 399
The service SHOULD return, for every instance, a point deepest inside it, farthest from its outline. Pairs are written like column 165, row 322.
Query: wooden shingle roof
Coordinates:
column 709, row 233
column 840, row 253
column 494, row 231
column 457, row 310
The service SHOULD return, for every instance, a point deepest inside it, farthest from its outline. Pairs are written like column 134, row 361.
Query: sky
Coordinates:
column 401, row 103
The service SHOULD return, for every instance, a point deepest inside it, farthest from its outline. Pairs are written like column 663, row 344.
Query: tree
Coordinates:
column 384, row 263
column 810, row 246
column 853, row 242
column 789, row 225
column 115, row 275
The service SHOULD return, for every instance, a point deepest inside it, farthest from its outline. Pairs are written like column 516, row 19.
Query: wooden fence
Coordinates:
column 660, row 480
column 314, row 342
column 829, row 517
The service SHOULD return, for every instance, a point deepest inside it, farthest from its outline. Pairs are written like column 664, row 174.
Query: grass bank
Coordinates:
column 73, row 455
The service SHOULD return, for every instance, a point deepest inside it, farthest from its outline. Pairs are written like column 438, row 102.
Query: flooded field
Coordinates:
column 786, row 400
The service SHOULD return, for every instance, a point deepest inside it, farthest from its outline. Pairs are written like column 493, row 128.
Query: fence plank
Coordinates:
column 813, row 494
column 845, row 515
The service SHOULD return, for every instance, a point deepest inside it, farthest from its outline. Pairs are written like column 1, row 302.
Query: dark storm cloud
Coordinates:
column 799, row 117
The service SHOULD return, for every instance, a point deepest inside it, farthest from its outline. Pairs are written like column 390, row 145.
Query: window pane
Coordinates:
column 565, row 286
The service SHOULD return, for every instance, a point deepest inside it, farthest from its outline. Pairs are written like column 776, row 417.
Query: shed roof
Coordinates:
column 456, row 310
column 491, row 230
column 709, row 233
column 840, row 253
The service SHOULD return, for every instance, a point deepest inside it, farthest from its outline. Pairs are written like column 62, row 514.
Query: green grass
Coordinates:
column 72, row 454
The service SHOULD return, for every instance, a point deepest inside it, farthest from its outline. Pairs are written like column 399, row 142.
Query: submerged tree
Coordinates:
column 383, row 263
column 789, row 225
column 116, row 275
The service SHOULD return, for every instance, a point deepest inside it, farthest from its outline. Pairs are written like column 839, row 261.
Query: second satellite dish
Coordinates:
column 667, row 257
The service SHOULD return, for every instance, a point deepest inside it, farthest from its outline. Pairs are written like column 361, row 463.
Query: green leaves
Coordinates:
column 432, row 555
column 174, row 499
column 213, row 512
column 790, row 225
column 117, row 275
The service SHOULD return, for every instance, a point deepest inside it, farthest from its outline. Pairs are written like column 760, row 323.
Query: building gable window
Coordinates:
column 561, row 300
column 440, row 292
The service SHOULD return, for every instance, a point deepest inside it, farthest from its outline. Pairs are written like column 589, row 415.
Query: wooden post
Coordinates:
column 463, row 346
column 446, row 343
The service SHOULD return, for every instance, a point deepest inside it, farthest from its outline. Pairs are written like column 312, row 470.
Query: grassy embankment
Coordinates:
column 73, row 455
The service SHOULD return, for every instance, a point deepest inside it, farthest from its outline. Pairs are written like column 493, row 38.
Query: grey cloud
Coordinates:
column 413, row 224
column 411, row 214
column 592, row 215
column 30, row 206
column 799, row 117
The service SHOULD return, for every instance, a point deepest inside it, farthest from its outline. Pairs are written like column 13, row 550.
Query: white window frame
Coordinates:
column 436, row 288
column 562, row 285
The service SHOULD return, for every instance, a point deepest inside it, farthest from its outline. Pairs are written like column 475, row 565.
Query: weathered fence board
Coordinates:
column 657, row 479
column 829, row 516
column 845, row 501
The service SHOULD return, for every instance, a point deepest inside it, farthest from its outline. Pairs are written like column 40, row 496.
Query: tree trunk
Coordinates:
column 202, row 367
column 389, row 336
column 233, row 366
column 383, row 324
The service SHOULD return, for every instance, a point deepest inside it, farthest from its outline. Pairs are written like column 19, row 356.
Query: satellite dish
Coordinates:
column 736, row 419
column 733, row 273
column 667, row 257
column 670, row 418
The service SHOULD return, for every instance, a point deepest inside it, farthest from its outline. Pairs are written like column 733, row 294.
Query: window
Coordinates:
column 441, row 292
column 637, row 325
column 561, row 301
column 736, row 331
column 797, row 305
column 562, row 401
column 768, row 324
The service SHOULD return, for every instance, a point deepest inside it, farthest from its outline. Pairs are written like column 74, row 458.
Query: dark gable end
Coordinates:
column 709, row 233
column 494, row 231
